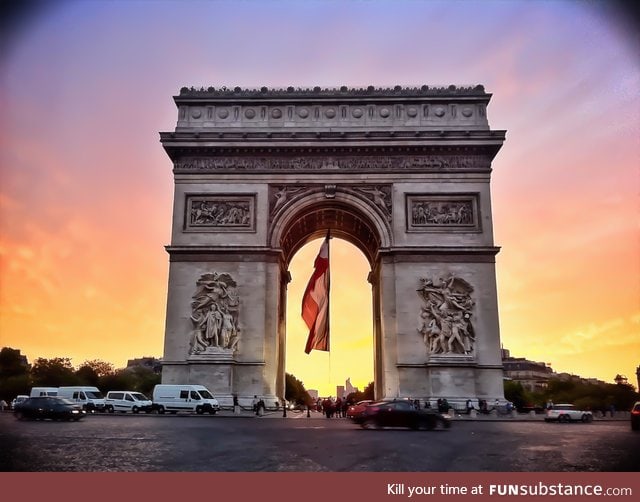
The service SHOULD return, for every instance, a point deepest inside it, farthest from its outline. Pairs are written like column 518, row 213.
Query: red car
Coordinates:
column 356, row 409
column 635, row 417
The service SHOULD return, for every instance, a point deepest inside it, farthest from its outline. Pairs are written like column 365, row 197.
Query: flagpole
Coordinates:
column 329, row 303
column 329, row 294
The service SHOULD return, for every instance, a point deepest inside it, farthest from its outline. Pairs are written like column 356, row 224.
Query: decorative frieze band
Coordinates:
column 442, row 212
column 329, row 163
column 219, row 213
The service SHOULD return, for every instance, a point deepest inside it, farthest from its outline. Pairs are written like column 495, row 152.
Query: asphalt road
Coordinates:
column 191, row 443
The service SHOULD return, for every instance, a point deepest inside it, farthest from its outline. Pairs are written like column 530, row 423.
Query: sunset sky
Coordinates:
column 86, row 188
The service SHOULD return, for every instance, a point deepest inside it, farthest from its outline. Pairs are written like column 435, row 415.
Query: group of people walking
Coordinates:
column 331, row 407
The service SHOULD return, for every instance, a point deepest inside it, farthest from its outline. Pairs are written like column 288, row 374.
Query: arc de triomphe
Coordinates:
column 401, row 173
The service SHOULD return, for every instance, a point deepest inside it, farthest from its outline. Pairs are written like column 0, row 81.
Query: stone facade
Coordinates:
column 402, row 173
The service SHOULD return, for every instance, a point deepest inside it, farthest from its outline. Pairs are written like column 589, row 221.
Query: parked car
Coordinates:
column 53, row 407
column 356, row 409
column 17, row 400
column 567, row 413
column 125, row 400
column 400, row 413
column 635, row 417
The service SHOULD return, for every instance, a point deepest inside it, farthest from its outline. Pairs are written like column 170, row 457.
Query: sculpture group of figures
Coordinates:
column 438, row 213
column 220, row 213
column 445, row 319
column 214, row 312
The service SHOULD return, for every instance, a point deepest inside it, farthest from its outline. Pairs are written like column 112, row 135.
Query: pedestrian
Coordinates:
column 3, row 405
column 469, row 406
column 254, row 404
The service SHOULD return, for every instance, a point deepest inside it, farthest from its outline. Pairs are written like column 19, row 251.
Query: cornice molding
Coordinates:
column 332, row 92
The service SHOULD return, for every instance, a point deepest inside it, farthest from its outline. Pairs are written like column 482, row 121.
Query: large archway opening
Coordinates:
column 351, row 325
column 358, row 233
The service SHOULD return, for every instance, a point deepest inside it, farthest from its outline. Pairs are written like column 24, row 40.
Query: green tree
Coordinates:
column 90, row 372
column 56, row 372
column 14, row 374
column 594, row 396
column 362, row 395
column 139, row 379
column 295, row 391
column 12, row 363
column 514, row 392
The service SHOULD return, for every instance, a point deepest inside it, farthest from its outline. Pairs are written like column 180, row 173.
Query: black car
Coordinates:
column 55, row 408
column 635, row 417
column 401, row 413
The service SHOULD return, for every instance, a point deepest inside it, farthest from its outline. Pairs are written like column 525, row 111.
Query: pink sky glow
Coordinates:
column 86, row 188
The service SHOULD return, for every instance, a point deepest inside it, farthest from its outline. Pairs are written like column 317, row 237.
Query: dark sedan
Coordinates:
column 399, row 414
column 55, row 408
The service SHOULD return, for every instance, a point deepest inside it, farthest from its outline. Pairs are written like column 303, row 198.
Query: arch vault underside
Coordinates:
column 402, row 173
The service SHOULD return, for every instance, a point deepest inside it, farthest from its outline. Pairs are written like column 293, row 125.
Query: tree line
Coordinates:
column 16, row 377
column 584, row 395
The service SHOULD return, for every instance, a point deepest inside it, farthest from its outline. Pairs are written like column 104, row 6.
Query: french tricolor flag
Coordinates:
column 315, row 302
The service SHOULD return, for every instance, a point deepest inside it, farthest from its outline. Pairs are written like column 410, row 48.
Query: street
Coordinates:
column 192, row 443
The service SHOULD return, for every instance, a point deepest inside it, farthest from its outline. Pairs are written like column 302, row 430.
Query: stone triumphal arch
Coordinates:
column 402, row 173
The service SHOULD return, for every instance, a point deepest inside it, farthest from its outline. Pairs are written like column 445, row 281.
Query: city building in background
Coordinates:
column 152, row 363
column 534, row 376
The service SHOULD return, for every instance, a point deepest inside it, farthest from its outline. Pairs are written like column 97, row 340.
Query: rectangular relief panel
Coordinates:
column 220, row 213
column 451, row 212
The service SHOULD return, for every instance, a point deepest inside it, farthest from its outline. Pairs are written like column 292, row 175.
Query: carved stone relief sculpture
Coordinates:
column 214, row 313
column 219, row 213
column 347, row 163
column 445, row 318
column 380, row 195
column 433, row 212
column 281, row 195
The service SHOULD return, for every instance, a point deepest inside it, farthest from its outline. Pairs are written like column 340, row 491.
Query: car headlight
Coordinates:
column 75, row 411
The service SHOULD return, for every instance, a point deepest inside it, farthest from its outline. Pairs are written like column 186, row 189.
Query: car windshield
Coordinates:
column 92, row 394
column 205, row 394
column 139, row 397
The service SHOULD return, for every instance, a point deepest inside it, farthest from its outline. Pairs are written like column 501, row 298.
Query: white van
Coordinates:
column 175, row 398
column 43, row 391
column 90, row 398
column 125, row 400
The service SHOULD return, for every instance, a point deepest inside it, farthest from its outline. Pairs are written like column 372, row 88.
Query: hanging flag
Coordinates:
column 315, row 302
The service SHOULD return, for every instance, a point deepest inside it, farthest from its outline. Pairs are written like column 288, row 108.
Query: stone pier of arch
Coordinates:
column 401, row 173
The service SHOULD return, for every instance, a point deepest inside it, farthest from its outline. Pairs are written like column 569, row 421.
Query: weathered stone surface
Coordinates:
column 402, row 173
